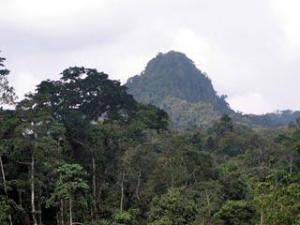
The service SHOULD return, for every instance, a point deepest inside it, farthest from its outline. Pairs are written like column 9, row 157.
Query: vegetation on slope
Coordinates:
column 174, row 76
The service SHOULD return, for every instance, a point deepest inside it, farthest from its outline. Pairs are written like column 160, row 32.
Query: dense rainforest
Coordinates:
column 81, row 150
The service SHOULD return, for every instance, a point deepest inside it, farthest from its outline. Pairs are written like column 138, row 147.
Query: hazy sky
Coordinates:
column 249, row 48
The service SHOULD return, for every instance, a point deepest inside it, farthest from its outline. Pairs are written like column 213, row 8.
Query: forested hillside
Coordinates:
column 276, row 119
column 81, row 150
column 172, row 82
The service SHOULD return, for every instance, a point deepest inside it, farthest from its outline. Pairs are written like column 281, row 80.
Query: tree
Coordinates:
column 5, row 209
column 172, row 208
column 208, row 196
column 37, row 146
column 277, row 203
column 7, row 94
column 236, row 213
column 8, row 122
column 84, row 99
column 71, row 183
column 235, row 188
column 93, row 94
column 290, row 146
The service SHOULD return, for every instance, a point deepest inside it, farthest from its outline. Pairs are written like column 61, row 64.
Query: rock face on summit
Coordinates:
column 172, row 82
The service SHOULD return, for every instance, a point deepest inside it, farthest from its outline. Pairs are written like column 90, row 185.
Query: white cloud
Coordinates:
column 249, row 46
column 24, row 82
column 287, row 12
column 250, row 103
column 185, row 40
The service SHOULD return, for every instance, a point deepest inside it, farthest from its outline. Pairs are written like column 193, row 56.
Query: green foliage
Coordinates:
column 186, row 115
column 93, row 94
column 236, row 213
column 278, row 203
column 173, row 208
column 4, row 211
column 70, row 183
column 208, row 196
column 122, row 217
column 235, row 187
column 7, row 93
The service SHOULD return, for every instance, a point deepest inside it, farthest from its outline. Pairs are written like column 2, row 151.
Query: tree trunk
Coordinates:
column 61, row 203
column 58, row 217
column 62, row 213
column 40, row 207
column 40, row 213
column 70, row 211
column 4, row 186
column 137, row 191
column 95, row 209
column 122, row 192
column 194, row 176
column 33, row 192
column 261, row 218
column 291, row 162
column 208, row 206
column 20, row 198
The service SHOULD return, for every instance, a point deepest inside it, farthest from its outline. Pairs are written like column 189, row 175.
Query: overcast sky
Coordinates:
column 249, row 48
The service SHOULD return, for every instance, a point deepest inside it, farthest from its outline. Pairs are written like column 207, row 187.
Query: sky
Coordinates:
column 249, row 48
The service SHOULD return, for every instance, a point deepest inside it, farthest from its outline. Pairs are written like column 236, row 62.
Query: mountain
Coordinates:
column 172, row 82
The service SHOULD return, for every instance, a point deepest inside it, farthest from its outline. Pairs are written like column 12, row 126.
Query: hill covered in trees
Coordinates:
column 81, row 150
column 172, row 82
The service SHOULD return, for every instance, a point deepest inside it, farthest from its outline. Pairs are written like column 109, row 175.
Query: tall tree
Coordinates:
column 7, row 94
column 71, row 182
column 7, row 97
column 36, row 146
